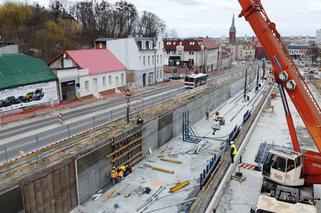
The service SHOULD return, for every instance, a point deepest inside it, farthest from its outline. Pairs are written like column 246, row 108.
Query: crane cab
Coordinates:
column 283, row 166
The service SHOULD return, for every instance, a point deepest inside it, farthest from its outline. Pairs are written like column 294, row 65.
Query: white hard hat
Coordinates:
column 231, row 142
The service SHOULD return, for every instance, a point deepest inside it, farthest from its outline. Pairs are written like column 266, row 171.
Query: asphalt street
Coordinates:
column 40, row 132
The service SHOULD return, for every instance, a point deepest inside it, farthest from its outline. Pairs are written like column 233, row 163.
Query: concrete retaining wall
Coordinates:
column 171, row 124
column 92, row 169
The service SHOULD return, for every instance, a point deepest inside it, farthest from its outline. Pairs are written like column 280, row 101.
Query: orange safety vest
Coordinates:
column 113, row 174
column 121, row 173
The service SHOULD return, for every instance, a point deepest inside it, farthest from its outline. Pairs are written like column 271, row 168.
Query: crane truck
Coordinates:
column 288, row 174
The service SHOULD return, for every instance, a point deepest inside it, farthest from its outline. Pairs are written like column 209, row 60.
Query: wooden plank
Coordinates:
column 107, row 195
column 159, row 169
column 57, row 191
column 132, row 158
column 171, row 161
column 72, row 185
column 124, row 147
column 62, row 182
column 178, row 186
column 67, row 188
column 127, row 152
column 50, row 188
column 45, row 193
column 128, row 136
column 26, row 198
column 39, row 197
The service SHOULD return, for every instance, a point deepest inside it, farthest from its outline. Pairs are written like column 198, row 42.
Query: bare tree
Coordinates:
column 150, row 24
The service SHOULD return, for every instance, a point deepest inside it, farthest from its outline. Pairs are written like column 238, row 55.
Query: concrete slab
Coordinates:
column 190, row 169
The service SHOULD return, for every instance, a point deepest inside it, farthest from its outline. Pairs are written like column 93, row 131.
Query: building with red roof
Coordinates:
column 259, row 51
column 191, row 54
column 87, row 72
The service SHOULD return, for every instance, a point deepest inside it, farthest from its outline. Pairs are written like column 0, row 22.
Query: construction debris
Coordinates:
column 176, row 204
column 171, row 161
column 179, row 186
column 159, row 169
column 107, row 195
column 151, row 199
column 239, row 177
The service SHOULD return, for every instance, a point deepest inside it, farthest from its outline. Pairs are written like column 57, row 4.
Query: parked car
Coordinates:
column 10, row 101
column 20, row 98
column 1, row 102
column 28, row 97
column 38, row 95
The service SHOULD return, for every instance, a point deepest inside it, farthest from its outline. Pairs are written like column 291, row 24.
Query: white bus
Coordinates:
column 195, row 80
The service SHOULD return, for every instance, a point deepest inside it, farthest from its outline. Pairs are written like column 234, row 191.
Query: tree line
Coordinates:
column 45, row 32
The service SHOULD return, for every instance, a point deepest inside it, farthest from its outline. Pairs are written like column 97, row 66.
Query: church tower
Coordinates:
column 232, row 37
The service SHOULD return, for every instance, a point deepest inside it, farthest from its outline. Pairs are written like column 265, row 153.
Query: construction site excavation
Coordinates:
column 131, row 120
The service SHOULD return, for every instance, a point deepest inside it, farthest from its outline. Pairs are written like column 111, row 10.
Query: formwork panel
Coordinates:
column 53, row 193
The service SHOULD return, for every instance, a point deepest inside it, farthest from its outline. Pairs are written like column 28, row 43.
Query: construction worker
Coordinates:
column 207, row 115
column 121, row 171
column 114, row 175
column 128, row 169
column 233, row 150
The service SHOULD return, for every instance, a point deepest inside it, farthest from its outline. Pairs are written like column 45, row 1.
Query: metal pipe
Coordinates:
column 176, row 204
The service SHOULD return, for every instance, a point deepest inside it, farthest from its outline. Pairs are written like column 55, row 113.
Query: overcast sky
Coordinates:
column 213, row 17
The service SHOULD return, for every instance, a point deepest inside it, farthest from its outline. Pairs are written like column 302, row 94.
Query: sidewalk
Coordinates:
column 44, row 110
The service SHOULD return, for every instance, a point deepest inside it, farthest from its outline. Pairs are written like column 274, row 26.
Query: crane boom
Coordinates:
column 285, row 71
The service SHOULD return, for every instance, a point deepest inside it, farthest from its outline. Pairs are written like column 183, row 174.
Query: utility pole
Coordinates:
column 257, row 78
column 128, row 95
column 245, row 85
column 263, row 67
column 155, row 65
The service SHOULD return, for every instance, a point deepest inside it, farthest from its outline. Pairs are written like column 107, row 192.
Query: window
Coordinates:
column 122, row 79
column 104, row 81
column 279, row 164
column 157, row 59
column 109, row 81
column 297, row 162
column 168, row 52
column 161, row 59
column 153, row 59
column 144, row 61
column 290, row 165
column 156, row 74
column 148, row 60
column 86, row 85
column 117, row 81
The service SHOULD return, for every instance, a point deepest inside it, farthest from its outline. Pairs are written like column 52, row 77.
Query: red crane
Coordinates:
column 290, row 80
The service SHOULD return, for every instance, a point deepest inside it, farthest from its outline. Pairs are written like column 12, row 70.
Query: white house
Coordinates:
column 83, row 73
column 142, row 55
column 246, row 51
column 194, row 54
column 211, row 55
